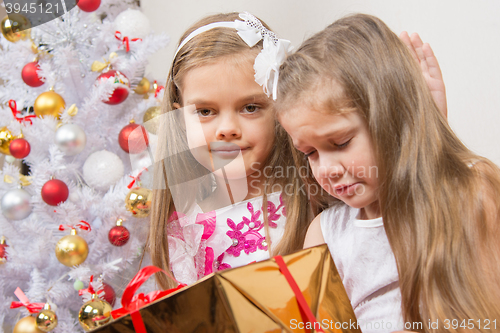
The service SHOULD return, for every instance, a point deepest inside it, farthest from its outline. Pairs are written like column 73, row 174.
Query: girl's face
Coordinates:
column 340, row 153
column 228, row 114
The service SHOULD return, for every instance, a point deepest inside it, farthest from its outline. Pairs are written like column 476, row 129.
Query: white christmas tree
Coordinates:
column 74, row 143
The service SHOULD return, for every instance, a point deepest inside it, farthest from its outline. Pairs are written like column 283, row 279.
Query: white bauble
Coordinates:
column 132, row 23
column 71, row 139
column 102, row 169
column 16, row 204
column 10, row 159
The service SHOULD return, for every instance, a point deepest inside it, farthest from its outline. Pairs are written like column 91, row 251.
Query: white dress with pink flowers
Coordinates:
column 202, row 243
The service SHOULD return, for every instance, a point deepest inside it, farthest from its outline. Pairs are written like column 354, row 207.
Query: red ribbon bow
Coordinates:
column 125, row 40
column 131, row 303
column 15, row 113
column 158, row 89
column 24, row 301
column 136, row 178
column 90, row 289
column 82, row 225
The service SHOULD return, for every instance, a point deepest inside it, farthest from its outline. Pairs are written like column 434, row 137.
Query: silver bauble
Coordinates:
column 71, row 139
column 16, row 204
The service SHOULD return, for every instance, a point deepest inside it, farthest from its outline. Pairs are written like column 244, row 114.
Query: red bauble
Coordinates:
column 132, row 139
column 19, row 148
column 118, row 235
column 88, row 5
column 3, row 252
column 109, row 294
column 120, row 93
column 30, row 75
column 54, row 192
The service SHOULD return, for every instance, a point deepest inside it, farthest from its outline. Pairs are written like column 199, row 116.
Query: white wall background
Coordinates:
column 464, row 34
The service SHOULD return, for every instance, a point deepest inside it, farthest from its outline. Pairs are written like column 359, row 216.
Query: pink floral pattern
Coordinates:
column 246, row 236
column 252, row 239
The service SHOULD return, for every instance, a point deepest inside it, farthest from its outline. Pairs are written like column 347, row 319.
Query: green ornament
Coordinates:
column 78, row 285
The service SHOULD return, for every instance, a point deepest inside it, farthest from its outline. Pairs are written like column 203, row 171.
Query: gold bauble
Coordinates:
column 15, row 27
column 151, row 119
column 94, row 313
column 5, row 138
column 49, row 103
column 138, row 201
column 26, row 325
column 142, row 87
column 46, row 320
column 72, row 250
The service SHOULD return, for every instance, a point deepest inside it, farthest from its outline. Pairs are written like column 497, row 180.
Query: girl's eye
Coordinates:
column 250, row 108
column 204, row 112
column 309, row 154
column 343, row 145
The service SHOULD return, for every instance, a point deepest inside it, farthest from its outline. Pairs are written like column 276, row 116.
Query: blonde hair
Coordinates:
column 203, row 49
column 439, row 201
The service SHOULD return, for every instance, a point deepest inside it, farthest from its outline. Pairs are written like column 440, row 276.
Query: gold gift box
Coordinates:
column 253, row 298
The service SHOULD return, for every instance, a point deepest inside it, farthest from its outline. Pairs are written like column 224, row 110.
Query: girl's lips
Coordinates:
column 342, row 190
column 227, row 153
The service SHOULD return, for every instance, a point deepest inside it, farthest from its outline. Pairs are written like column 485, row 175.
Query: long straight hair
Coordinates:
column 439, row 201
column 207, row 48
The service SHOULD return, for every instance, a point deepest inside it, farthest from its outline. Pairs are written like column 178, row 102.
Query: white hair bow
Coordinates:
column 251, row 31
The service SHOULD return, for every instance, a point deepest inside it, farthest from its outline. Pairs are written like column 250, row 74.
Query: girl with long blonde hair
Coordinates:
column 225, row 167
column 415, row 229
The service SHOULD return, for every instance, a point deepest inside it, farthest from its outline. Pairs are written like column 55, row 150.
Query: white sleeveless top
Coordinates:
column 367, row 267
column 202, row 243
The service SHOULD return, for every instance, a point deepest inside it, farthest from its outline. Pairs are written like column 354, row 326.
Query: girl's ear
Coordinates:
column 177, row 106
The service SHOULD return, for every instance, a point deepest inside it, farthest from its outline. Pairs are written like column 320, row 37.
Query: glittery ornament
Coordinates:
column 49, row 103
column 88, row 5
column 151, row 119
column 119, row 235
column 16, row 204
column 133, row 138
column 94, row 313
column 55, row 192
column 109, row 294
column 138, row 201
column 46, row 320
column 132, row 23
column 6, row 138
column 3, row 250
column 71, row 139
column 15, row 27
column 72, row 250
column 19, row 148
column 30, row 74
column 102, row 169
column 120, row 93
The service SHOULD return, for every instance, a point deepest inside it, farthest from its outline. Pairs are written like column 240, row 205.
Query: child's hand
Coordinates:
column 430, row 68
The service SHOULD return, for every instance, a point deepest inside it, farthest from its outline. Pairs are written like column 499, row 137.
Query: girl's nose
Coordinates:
column 228, row 127
column 329, row 169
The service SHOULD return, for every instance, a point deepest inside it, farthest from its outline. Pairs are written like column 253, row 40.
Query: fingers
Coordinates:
column 407, row 41
column 432, row 63
column 417, row 44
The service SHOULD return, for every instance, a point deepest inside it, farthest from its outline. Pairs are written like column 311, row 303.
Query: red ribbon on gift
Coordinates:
column 131, row 303
column 84, row 225
column 15, row 113
column 24, row 301
column 125, row 40
column 305, row 310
